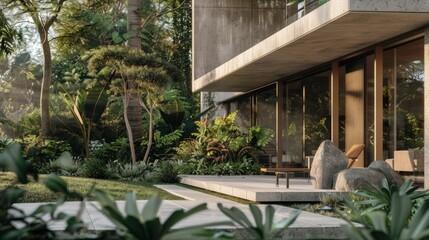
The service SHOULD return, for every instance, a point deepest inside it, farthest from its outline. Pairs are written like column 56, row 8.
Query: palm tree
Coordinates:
column 134, row 109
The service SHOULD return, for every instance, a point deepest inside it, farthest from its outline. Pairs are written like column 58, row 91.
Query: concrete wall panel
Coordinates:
column 225, row 28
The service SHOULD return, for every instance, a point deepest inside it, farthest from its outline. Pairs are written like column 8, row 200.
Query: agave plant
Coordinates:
column 401, row 225
column 375, row 198
column 147, row 224
column 260, row 230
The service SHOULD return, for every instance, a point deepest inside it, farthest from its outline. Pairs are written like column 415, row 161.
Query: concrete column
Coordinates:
column 279, row 123
column 426, row 106
column 335, row 103
column 378, row 104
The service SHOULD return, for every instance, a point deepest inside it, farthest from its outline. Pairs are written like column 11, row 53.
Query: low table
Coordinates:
column 284, row 171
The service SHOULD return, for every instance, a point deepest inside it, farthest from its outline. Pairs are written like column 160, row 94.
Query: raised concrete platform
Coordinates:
column 260, row 188
column 307, row 226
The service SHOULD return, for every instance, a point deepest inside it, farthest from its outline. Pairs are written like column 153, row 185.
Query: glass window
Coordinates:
column 243, row 106
column 293, row 119
column 317, row 116
column 265, row 114
column 403, row 98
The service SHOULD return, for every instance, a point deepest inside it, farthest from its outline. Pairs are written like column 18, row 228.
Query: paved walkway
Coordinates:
column 308, row 225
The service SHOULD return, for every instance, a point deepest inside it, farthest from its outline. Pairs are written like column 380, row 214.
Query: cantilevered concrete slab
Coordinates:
column 261, row 188
column 335, row 29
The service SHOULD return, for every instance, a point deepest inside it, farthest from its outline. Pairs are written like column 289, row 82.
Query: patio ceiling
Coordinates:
column 305, row 44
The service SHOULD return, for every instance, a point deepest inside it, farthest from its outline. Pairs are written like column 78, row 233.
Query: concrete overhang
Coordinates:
column 335, row 29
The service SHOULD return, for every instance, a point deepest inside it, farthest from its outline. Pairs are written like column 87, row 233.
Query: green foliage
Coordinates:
column 9, row 37
column 130, row 172
column 14, row 223
column 166, row 139
column 146, row 224
column 64, row 165
column 260, row 227
column 247, row 166
column 40, row 155
column 401, row 224
column 95, row 168
column 114, row 151
column 389, row 212
column 166, row 172
column 375, row 198
column 223, row 140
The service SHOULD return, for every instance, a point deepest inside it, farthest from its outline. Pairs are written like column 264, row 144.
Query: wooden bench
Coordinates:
column 285, row 171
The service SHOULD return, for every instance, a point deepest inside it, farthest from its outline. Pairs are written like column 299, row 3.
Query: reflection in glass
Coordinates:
column 317, row 123
column 243, row 106
column 403, row 97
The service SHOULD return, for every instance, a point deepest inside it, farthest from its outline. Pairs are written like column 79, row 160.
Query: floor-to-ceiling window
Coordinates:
column 243, row 106
column 293, row 119
column 317, row 117
column 403, row 97
column 306, row 118
column 265, row 110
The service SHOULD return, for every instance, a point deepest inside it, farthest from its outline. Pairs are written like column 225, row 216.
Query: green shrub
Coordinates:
column 118, row 150
column 95, row 168
column 130, row 172
column 166, row 172
column 40, row 155
column 223, row 140
column 247, row 166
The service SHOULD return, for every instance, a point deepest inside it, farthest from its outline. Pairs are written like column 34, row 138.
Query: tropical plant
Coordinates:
column 146, row 224
column 224, row 140
column 15, row 223
column 380, row 198
column 130, row 172
column 402, row 224
column 9, row 37
column 166, row 172
column 261, row 227
column 87, row 108
column 148, row 75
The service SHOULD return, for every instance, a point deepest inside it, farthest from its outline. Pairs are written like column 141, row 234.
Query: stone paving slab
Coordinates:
column 260, row 188
column 308, row 225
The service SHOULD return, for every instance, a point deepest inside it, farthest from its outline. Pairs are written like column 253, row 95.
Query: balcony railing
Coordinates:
column 296, row 9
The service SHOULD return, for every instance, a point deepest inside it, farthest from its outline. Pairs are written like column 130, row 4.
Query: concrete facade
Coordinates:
column 224, row 28
column 230, row 54
column 286, row 52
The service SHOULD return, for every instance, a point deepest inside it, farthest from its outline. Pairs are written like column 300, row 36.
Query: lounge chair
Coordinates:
column 354, row 153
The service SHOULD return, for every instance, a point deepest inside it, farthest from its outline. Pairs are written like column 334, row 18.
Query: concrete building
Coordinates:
column 353, row 71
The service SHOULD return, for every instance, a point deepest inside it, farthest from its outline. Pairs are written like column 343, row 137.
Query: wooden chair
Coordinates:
column 354, row 153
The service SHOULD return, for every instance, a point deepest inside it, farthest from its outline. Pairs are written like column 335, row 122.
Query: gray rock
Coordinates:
column 353, row 179
column 327, row 161
column 390, row 174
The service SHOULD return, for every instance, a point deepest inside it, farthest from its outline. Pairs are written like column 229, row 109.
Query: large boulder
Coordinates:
column 327, row 161
column 393, row 178
column 353, row 179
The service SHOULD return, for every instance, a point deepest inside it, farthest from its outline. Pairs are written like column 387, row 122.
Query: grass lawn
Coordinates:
column 37, row 192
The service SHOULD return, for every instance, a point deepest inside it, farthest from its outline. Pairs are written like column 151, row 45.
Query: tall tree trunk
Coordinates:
column 134, row 109
column 46, row 82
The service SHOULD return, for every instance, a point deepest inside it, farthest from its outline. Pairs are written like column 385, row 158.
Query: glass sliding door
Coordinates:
column 403, row 98
column 293, row 119
column 317, row 116
column 307, row 118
